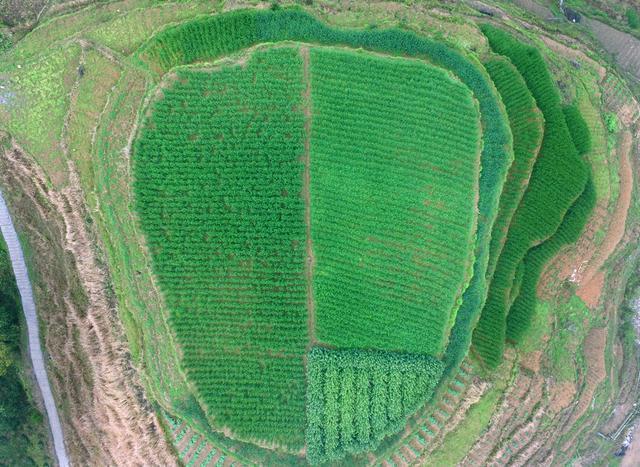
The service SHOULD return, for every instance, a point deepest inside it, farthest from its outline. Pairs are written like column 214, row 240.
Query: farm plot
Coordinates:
column 394, row 150
column 526, row 124
column 558, row 178
column 218, row 190
column 355, row 398
column 394, row 182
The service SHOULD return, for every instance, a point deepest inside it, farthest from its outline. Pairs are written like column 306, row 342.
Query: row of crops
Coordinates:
column 356, row 398
column 558, row 177
column 438, row 189
column 390, row 234
column 218, row 178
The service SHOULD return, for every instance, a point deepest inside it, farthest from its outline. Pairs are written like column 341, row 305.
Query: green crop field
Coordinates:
column 393, row 192
column 356, row 398
column 331, row 233
column 224, row 218
column 558, row 177
column 526, row 124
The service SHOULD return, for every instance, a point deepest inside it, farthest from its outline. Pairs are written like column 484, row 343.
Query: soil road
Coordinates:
column 35, row 349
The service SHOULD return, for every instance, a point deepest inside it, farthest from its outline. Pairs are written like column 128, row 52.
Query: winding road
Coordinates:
column 35, row 349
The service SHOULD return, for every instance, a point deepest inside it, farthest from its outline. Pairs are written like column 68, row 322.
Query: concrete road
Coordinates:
column 35, row 349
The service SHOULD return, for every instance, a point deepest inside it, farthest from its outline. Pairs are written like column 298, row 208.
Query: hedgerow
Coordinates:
column 523, row 309
column 357, row 397
column 527, row 123
column 392, row 220
column 580, row 134
column 559, row 176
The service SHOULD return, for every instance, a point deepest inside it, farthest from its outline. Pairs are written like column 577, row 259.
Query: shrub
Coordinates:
column 578, row 128
column 632, row 18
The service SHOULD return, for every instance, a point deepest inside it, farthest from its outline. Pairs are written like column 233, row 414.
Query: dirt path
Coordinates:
column 107, row 416
column 35, row 348
column 306, row 193
column 619, row 217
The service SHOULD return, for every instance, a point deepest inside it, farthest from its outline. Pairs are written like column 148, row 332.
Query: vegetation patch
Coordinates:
column 523, row 308
column 356, row 398
column 559, row 176
column 224, row 219
column 526, row 122
column 23, row 438
column 394, row 176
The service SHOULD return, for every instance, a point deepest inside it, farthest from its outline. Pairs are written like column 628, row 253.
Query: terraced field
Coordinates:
column 235, row 261
column 349, row 233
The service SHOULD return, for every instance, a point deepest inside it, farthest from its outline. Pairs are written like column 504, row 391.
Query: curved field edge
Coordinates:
column 150, row 164
column 522, row 310
column 557, row 179
column 280, row 25
column 527, row 124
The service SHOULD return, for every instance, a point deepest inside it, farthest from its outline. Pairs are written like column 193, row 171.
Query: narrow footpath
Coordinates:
column 35, row 349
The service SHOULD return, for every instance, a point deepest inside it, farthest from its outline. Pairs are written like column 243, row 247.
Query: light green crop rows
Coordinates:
column 394, row 179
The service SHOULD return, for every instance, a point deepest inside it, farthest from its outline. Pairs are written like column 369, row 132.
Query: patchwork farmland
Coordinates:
column 324, row 234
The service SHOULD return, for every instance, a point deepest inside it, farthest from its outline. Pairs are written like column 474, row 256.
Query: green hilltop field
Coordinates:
column 323, row 234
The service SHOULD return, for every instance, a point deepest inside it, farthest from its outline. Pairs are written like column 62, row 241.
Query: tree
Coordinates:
column 633, row 19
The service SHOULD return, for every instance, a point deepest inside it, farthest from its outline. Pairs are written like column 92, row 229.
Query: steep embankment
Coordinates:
column 35, row 349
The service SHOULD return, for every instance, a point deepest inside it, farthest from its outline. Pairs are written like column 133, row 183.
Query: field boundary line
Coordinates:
column 306, row 192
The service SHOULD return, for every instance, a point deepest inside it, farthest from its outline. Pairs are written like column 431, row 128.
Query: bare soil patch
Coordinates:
column 531, row 361
column 624, row 47
column 514, row 403
column 619, row 217
column 590, row 292
column 561, row 395
column 535, row 8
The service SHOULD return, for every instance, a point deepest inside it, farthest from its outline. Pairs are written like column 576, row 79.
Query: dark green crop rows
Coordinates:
column 526, row 122
column 522, row 310
column 524, row 298
column 559, row 176
column 578, row 128
column 218, row 183
column 355, row 398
